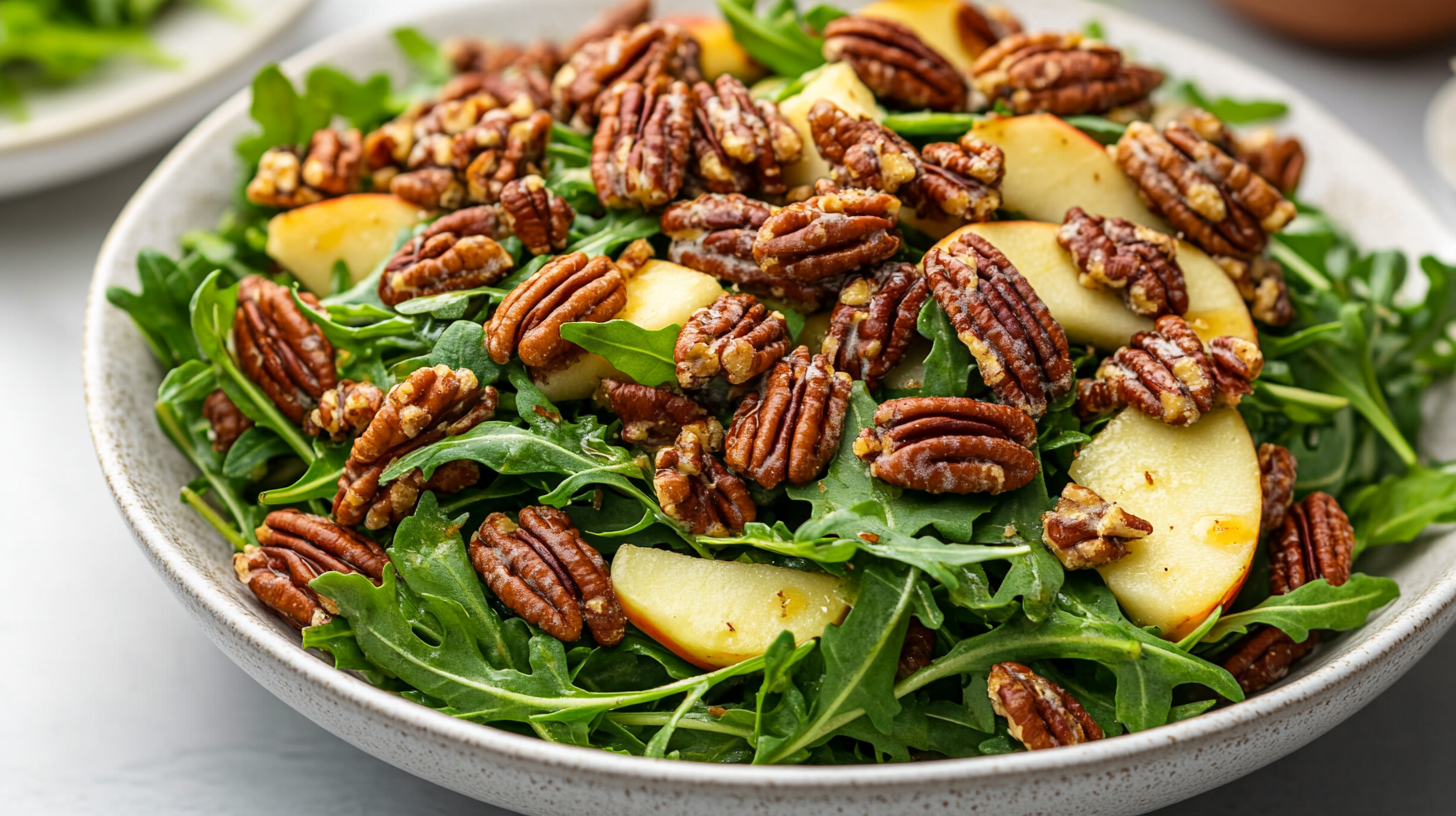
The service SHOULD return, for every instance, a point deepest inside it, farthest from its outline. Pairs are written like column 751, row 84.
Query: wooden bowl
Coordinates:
column 1355, row 24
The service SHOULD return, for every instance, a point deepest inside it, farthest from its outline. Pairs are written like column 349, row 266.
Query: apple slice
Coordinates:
column 358, row 229
column 721, row 54
column 1199, row 487
column 937, row 22
column 838, row 83
column 660, row 294
column 718, row 613
column 1052, row 167
column 1099, row 317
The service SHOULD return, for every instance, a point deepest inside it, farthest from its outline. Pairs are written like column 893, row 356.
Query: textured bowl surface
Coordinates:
column 1129, row 774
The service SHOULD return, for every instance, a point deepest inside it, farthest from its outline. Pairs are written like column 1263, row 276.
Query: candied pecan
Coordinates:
column 570, row 288
column 330, row 167
column 279, row 349
column 653, row 55
column 1020, row 349
column 548, row 574
column 1276, row 482
column 915, row 653
column 1261, row 283
column 622, row 17
column 651, row 417
column 740, row 145
column 640, row 151
column 828, row 235
column 446, row 169
column 790, row 428
column 1084, row 530
column 735, row 335
column 695, row 489
column 1278, row 159
column 860, row 151
column 225, row 422
column 1039, row 713
column 894, row 63
column 1167, row 375
column 874, row 322
column 1264, row 656
column 1215, row 199
column 448, row 257
column 297, row 548
column 958, row 180
column 1060, row 73
column 635, row 256
column 536, row 215
column 979, row 28
column 505, row 71
column 1139, row 264
column 431, row 404
column 344, row 411
column 949, row 445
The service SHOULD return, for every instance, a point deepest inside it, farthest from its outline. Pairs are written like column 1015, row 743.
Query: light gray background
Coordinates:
column 112, row 701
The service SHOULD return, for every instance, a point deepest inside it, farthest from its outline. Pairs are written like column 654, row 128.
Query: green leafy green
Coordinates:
column 161, row 309
column 1232, row 111
column 645, row 356
column 948, row 366
column 1316, row 605
column 423, row 53
column 776, row 37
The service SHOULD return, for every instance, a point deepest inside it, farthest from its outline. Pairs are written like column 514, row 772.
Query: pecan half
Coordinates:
column 828, row 235
column 297, row 548
column 949, row 445
column 735, row 336
column 790, row 428
column 894, row 63
column 431, row 404
column 330, row 167
column 979, row 28
column 714, row 234
column 506, row 71
column 457, row 252
column 279, row 349
column 1277, row 468
column 874, row 322
column 225, row 422
column 1084, row 530
column 1263, row 657
column 548, row 574
column 640, row 151
column 1215, row 199
column 446, row 168
column 1279, row 159
column 1261, row 283
column 651, row 417
column 536, row 215
column 653, row 55
column 695, row 489
column 1139, row 264
column 1060, row 73
column 1039, row 713
column 1166, row 374
column 568, row 289
column 915, row 653
column 959, row 180
column 344, row 411
column 860, row 151
column 1021, row 351
column 741, row 145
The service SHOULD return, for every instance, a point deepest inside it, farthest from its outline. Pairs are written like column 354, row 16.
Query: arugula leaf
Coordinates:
column 1104, row 130
column 337, row 638
column 948, row 366
column 320, row 481
column 160, row 309
column 776, row 37
column 645, row 356
column 1399, row 508
column 1232, row 111
column 1316, row 605
column 1035, row 576
column 462, row 345
column 940, row 726
column 179, row 413
column 601, row 236
column 424, row 54
column 251, row 451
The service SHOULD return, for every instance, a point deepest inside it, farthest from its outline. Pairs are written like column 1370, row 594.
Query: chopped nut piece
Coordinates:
column 330, row 168
column 895, row 63
column 1276, row 481
column 961, row 181
column 536, row 215
column 278, row 348
column 1062, row 74
column 653, row 55
column 548, row 574
column 431, row 404
column 1261, row 282
column 1084, row 530
column 457, row 252
column 828, row 235
column 790, row 428
column 694, row 488
column 861, row 152
column 1139, row 264
column 635, row 256
column 651, row 417
column 640, row 151
column 736, row 336
column 570, row 288
column 949, row 445
column 225, row 422
column 1222, row 205
column 344, row 411
column 915, row 653
column 1021, row 351
column 297, row 548
column 1039, row 713
column 874, row 322
column 741, row 145
column 462, row 151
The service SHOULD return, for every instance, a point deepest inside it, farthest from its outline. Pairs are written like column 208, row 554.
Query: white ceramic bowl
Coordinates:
column 1129, row 774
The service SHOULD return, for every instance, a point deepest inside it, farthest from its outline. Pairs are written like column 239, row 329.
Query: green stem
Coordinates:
column 1296, row 263
column 212, row 517
column 689, row 721
column 1318, row 400
column 175, row 429
column 657, row 746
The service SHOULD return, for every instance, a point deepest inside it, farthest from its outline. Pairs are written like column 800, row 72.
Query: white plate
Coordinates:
column 1128, row 774
column 127, row 106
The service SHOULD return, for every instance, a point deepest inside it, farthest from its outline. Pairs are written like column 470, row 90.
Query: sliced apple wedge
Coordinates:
column 1051, row 167
column 838, row 83
column 937, row 22
column 1099, row 317
column 358, row 229
column 718, row 613
column 1198, row 486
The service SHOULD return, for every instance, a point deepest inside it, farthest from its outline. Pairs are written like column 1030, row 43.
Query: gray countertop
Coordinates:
column 112, row 701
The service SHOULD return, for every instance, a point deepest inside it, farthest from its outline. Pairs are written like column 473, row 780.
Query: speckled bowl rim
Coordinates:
column 1375, row 641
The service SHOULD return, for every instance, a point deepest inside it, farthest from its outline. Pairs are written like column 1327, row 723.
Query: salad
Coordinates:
column 796, row 387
